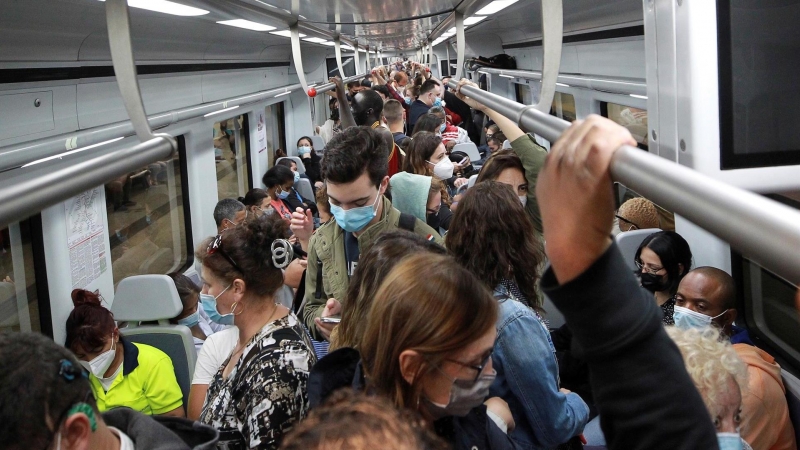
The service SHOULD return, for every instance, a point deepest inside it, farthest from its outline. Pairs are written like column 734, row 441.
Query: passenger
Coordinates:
column 391, row 92
column 637, row 214
column 663, row 260
column 305, row 148
column 332, row 125
column 257, row 201
column 449, row 132
column 388, row 250
column 395, row 117
column 531, row 154
column 228, row 213
column 259, row 393
column 295, row 200
column 506, row 167
column 280, row 153
column 707, row 296
column 123, row 373
column 435, row 216
column 720, row 376
column 493, row 238
column 323, row 205
column 400, row 82
column 427, row 156
column 355, row 172
column 190, row 315
column 211, row 357
column 48, row 404
column 383, row 91
column 429, row 92
column 350, row 420
column 654, row 404
column 428, row 123
column 279, row 181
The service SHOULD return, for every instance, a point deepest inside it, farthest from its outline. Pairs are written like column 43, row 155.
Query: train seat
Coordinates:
column 303, row 187
column 629, row 241
column 318, row 143
column 470, row 149
column 301, row 168
column 149, row 298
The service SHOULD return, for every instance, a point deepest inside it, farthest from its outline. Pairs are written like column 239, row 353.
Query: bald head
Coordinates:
column 709, row 291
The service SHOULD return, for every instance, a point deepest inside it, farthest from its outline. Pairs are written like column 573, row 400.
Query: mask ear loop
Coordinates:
column 282, row 253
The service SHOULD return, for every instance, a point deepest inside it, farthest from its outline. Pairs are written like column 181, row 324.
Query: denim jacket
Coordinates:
column 527, row 379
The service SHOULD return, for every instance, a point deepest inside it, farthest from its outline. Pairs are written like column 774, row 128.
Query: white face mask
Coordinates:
column 524, row 200
column 443, row 170
column 101, row 362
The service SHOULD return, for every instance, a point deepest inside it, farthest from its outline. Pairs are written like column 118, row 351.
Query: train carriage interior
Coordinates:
column 123, row 125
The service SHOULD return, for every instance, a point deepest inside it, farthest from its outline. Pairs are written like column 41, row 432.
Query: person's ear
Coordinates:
column 384, row 185
column 76, row 433
column 732, row 314
column 410, row 363
column 238, row 287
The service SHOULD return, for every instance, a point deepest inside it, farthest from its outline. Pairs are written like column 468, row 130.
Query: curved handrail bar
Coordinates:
column 325, row 87
column 630, row 86
column 764, row 230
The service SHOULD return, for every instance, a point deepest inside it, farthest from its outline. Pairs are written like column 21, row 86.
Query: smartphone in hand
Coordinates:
column 330, row 319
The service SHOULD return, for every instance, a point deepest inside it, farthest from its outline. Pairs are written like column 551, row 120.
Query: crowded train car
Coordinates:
column 438, row 224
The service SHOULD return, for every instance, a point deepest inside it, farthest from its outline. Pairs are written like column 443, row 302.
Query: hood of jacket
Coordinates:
column 162, row 433
column 410, row 193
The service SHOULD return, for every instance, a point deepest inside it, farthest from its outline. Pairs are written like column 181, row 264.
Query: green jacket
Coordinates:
column 327, row 246
column 532, row 156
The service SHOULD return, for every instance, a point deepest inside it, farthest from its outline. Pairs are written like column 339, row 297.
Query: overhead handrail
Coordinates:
column 628, row 86
column 764, row 230
column 552, row 35
column 325, row 87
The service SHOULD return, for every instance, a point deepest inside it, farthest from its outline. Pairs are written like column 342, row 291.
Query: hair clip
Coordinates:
column 70, row 371
column 85, row 409
column 282, row 253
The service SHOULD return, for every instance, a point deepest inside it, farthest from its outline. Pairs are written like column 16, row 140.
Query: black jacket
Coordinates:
column 645, row 398
column 342, row 369
column 313, row 168
column 292, row 202
column 417, row 110
column 162, row 433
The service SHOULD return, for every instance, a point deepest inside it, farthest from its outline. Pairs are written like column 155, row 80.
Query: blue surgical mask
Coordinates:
column 729, row 441
column 408, row 100
column 296, row 177
column 442, row 128
column 283, row 195
column 304, row 150
column 209, row 303
column 190, row 320
column 354, row 219
column 437, row 102
column 685, row 318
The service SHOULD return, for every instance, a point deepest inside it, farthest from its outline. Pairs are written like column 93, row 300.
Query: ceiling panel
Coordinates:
column 359, row 11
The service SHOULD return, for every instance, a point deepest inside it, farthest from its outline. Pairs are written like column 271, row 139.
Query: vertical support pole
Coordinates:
column 460, row 43
column 368, row 66
column 430, row 56
column 338, row 47
column 356, row 57
column 297, row 56
column 447, row 49
column 552, row 35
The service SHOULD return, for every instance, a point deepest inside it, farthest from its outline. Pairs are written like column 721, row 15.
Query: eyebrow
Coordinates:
column 354, row 201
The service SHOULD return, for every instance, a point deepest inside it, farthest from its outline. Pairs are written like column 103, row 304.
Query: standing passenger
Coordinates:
column 428, row 94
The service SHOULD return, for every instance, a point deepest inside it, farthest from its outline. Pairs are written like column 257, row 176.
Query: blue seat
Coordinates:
column 301, row 168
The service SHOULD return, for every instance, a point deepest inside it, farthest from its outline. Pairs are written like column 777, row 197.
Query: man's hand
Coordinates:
column 302, row 225
column 332, row 309
column 460, row 182
column 576, row 197
column 474, row 104
column 338, row 83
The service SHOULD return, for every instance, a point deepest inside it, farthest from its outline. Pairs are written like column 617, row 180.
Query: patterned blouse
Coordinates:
column 265, row 393
column 668, row 308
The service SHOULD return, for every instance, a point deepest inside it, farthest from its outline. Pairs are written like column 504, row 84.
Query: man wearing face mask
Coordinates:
column 429, row 94
column 707, row 296
column 355, row 171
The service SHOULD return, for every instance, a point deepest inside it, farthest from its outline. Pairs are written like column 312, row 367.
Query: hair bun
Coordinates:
column 241, row 199
column 84, row 297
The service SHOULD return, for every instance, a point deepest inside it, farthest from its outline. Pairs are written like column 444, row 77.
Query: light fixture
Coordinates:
column 328, row 43
column 451, row 31
column 166, row 7
column 315, row 40
column 362, row 50
column 283, row 93
column 643, row 97
column 473, row 20
column 285, row 33
column 562, row 84
column 246, row 24
column 495, row 6
column 267, row 4
column 59, row 156
column 221, row 111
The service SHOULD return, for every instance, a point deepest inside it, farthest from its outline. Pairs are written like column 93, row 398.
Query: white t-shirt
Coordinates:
column 215, row 351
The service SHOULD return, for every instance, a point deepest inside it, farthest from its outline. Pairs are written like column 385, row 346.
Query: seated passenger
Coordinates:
column 359, row 422
column 387, row 251
column 493, row 238
column 449, row 132
column 295, row 200
column 48, row 404
column 305, row 148
column 191, row 316
column 637, row 214
column 530, row 153
column 123, row 374
column 259, row 392
column 257, row 201
column 279, row 181
column 427, row 347
column 355, row 169
column 707, row 296
column 228, row 213
column 719, row 376
column 212, row 355
column 663, row 260
column 643, row 393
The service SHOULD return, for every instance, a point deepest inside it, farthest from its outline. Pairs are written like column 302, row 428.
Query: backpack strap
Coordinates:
column 407, row 222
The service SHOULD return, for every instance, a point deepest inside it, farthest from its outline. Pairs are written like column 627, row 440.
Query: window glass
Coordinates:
column 666, row 219
column 524, row 94
column 634, row 119
column 231, row 155
column 19, row 303
column 275, row 132
column 564, row 107
column 147, row 221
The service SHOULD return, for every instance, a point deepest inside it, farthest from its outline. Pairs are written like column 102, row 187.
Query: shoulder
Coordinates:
column 151, row 355
column 525, row 142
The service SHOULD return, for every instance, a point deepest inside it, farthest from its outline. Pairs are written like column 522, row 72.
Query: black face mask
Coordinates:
column 334, row 115
column 653, row 283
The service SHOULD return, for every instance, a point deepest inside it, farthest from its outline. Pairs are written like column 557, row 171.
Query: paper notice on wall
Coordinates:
column 86, row 237
column 261, row 133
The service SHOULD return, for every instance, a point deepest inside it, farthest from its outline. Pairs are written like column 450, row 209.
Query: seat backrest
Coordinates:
column 303, row 187
column 792, row 385
column 318, row 143
column 472, row 181
column 507, row 144
column 629, row 241
column 174, row 340
column 470, row 149
column 301, row 168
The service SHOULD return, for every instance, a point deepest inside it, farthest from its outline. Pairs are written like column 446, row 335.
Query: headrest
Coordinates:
column 141, row 298
column 506, row 144
column 629, row 241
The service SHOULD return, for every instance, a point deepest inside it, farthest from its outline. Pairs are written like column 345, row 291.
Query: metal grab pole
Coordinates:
column 330, row 86
column 760, row 228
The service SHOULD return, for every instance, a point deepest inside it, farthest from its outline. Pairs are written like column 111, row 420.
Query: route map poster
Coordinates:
column 86, row 237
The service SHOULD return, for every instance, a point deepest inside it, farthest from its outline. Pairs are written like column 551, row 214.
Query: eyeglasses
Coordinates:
column 648, row 268
column 479, row 368
column 216, row 246
column 627, row 221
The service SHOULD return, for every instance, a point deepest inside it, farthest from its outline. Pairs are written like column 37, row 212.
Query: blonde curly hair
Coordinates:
column 711, row 361
column 640, row 212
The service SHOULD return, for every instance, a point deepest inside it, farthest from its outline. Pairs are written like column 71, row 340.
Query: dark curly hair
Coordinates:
column 492, row 237
column 352, row 152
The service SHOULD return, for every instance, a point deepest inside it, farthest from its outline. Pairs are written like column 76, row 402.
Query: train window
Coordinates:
column 759, row 104
column 564, row 107
column 148, row 219
column 634, row 119
column 19, row 300
column 232, row 157
column 524, row 94
column 276, row 132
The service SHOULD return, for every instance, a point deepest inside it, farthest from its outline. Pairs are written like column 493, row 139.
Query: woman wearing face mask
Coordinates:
column 493, row 238
column 426, row 155
column 279, row 181
column 663, row 259
column 506, row 167
column 123, row 374
column 258, row 202
column 190, row 316
column 305, row 148
column 294, row 199
column 260, row 390
column 718, row 373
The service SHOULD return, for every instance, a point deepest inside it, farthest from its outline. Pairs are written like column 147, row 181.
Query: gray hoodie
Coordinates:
column 162, row 433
